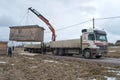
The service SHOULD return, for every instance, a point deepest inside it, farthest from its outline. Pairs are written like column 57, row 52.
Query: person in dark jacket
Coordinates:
column 9, row 51
column 13, row 48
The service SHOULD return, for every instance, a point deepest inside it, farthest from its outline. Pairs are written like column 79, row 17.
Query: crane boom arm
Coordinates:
column 45, row 21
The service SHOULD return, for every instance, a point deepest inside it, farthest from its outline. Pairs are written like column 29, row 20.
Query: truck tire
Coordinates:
column 87, row 54
column 55, row 52
column 69, row 54
column 98, row 57
column 61, row 52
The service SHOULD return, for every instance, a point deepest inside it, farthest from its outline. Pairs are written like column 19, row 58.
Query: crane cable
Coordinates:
column 23, row 18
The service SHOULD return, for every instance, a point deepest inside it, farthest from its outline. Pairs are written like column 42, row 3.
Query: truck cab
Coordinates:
column 94, row 43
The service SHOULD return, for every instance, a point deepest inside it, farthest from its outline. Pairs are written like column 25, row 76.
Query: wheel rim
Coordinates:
column 87, row 54
column 55, row 52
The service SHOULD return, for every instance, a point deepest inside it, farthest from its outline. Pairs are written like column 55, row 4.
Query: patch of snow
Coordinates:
column 2, row 62
column 31, row 58
column 118, row 74
column 112, row 71
column 110, row 78
column 33, row 67
column 109, row 67
column 83, row 79
column 12, row 64
column 79, row 79
column 28, row 54
column 50, row 61
column 67, row 64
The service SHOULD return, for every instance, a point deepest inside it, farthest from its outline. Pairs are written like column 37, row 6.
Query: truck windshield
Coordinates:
column 101, row 37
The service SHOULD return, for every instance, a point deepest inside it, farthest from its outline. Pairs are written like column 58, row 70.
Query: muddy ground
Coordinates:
column 22, row 66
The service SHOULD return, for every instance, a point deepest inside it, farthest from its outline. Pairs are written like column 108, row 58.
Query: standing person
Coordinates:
column 13, row 48
column 9, row 51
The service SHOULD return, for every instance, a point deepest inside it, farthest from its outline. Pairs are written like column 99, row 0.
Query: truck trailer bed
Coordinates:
column 73, row 43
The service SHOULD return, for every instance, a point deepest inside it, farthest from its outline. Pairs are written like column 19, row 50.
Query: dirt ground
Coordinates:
column 25, row 66
column 114, row 52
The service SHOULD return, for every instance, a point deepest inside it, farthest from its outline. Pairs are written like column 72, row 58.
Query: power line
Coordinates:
column 108, row 18
column 85, row 22
column 88, row 21
column 72, row 25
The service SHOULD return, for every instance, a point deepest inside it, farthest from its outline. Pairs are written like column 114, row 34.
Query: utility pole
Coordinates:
column 93, row 23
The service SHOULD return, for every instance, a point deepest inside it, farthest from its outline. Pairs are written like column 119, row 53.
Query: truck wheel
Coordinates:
column 55, row 52
column 61, row 52
column 69, row 54
column 98, row 57
column 30, row 51
column 87, row 54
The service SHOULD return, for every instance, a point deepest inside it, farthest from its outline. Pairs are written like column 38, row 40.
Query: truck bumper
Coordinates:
column 98, row 53
column 102, row 53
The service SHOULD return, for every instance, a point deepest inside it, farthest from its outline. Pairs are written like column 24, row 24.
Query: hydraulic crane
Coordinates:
column 45, row 21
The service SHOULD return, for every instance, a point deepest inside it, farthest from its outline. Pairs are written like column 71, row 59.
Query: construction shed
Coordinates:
column 3, row 47
column 29, row 33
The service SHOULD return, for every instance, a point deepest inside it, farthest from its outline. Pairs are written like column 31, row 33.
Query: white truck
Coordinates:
column 91, row 44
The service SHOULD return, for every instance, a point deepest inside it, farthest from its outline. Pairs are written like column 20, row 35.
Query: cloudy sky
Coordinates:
column 61, row 13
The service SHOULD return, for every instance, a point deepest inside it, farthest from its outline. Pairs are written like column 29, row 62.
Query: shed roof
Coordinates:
column 26, row 26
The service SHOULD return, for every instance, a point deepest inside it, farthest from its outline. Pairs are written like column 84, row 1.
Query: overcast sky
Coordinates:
column 61, row 13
